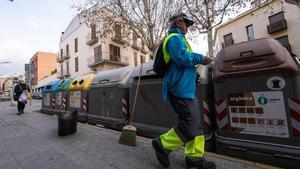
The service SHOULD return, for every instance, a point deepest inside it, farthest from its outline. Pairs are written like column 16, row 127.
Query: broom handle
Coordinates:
column 136, row 93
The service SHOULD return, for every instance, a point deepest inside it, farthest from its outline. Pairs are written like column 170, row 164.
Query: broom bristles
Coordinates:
column 128, row 136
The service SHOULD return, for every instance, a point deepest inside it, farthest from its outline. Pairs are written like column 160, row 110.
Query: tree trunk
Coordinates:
column 210, row 43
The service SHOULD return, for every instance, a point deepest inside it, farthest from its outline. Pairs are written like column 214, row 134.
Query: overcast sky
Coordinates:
column 27, row 26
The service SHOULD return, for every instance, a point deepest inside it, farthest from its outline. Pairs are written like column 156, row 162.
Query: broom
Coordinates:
column 128, row 135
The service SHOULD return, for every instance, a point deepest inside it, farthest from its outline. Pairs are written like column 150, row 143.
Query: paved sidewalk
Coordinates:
column 30, row 141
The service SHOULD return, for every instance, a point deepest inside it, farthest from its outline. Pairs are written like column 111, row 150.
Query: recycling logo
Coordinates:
column 262, row 100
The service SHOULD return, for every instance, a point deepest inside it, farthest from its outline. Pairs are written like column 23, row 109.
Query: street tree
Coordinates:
column 147, row 19
column 210, row 13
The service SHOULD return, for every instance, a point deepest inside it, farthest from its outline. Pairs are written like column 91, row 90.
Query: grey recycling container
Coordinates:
column 256, row 93
column 67, row 122
column 108, row 98
column 153, row 116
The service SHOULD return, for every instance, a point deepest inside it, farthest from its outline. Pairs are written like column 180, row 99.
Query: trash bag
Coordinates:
column 23, row 98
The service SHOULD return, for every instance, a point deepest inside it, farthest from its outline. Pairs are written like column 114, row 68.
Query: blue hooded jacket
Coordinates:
column 180, row 79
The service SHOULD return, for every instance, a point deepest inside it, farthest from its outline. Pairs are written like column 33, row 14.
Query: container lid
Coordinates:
column 260, row 53
column 48, row 86
column 82, row 83
column 264, row 55
column 114, row 76
column 64, row 85
column 146, row 71
column 54, row 86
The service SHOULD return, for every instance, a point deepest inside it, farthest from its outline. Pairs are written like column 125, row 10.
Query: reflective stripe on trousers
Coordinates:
column 188, row 130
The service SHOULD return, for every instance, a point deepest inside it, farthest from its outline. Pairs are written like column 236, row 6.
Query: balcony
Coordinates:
column 277, row 26
column 118, row 39
column 67, row 75
column 60, row 75
column 66, row 57
column 227, row 42
column 91, row 39
column 94, row 61
column 144, row 51
column 135, row 46
column 59, row 59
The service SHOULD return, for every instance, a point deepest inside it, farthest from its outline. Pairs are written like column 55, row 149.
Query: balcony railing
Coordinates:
column 135, row 46
column 60, row 75
column 91, row 39
column 144, row 50
column 277, row 26
column 94, row 61
column 119, row 39
column 67, row 56
column 59, row 59
column 228, row 42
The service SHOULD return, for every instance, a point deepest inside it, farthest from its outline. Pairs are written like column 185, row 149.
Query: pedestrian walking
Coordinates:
column 179, row 87
column 21, row 92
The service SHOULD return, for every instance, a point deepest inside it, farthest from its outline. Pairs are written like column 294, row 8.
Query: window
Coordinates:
column 134, row 38
column 67, row 63
column 76, row 64
column 118, row 31
column 114, row 52
column 276, row 18
column 143, row 59
column 67, row 49
column 250, row 32
column 228, row 39
column 143, row 45
column 135, row 58
column 98, row 53
column 61, row 53
column 61, row 69
column 93, row 31
column 76, row 45
column 284, row 40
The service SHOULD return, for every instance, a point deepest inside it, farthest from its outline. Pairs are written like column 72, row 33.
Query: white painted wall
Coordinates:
column 260, row 19
column 85, row 52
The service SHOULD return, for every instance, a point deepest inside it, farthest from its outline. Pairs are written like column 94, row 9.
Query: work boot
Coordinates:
column 199, row 163
column 162, row 155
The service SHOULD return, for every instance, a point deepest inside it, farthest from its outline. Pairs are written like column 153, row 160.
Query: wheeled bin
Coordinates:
column 61, row 96
column 257, row 103
column 48, row 98
column 108, row 98
column 153, row 116
column 79, row 96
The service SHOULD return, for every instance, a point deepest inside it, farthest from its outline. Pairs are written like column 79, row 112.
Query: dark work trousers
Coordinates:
column 188, row 118
column 21, row 106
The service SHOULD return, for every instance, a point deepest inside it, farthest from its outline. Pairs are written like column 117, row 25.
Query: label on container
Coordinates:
column 46, row 99
column 75, row 99
column 58, row 98
column 258, row 113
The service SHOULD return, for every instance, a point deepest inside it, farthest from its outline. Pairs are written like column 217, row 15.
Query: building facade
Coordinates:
column 272, row 19
column 82, row 52
column 42, row 64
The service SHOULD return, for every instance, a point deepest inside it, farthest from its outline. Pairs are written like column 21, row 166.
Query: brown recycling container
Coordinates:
column 257, row 103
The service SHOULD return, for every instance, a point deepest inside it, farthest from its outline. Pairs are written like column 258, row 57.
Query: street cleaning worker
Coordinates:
column 19, row 89
column 179, row 86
